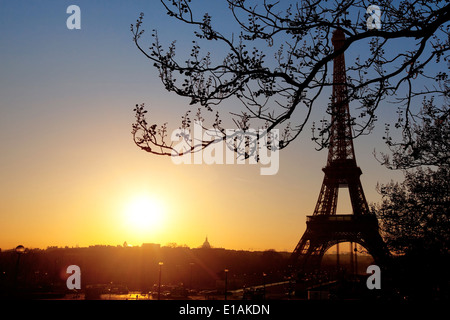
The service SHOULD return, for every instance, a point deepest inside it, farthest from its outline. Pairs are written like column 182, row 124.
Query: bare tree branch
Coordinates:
column 298, row 35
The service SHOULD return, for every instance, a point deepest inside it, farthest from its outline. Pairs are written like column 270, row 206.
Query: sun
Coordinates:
column 144, row 213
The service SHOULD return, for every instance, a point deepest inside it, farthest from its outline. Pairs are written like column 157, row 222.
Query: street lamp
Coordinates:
column 264, row 285
column 20, row 249
column 190, row 280
column 289, row 287
column 159, row 282
column 226, row 283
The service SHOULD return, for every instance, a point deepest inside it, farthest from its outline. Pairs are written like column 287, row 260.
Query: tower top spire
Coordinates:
column 338, row 38
column 341, row 140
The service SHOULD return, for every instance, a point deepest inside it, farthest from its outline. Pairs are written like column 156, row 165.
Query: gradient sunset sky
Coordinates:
column 69, row 168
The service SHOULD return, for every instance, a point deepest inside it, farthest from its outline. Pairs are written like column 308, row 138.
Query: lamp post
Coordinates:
column 20, row 249
column 290, row 269
column 226, row 283
column 159, row 282
column 264, row 285
column 289, row 287
column 190, row 280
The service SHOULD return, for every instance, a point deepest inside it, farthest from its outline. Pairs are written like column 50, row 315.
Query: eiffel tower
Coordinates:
column 325, row 228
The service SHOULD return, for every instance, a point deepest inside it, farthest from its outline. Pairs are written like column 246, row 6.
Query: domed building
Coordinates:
column 206, row 244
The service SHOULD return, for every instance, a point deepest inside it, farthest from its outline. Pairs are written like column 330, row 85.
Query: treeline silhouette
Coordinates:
column 138, row 268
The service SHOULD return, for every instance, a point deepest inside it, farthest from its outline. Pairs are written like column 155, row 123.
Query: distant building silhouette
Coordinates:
column 151, row 246
column 206, row 244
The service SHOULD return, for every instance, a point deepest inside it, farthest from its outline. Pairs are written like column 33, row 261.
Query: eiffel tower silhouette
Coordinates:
column 325, row 228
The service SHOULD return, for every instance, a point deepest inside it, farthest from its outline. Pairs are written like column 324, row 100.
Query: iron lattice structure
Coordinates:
column 325, row 228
